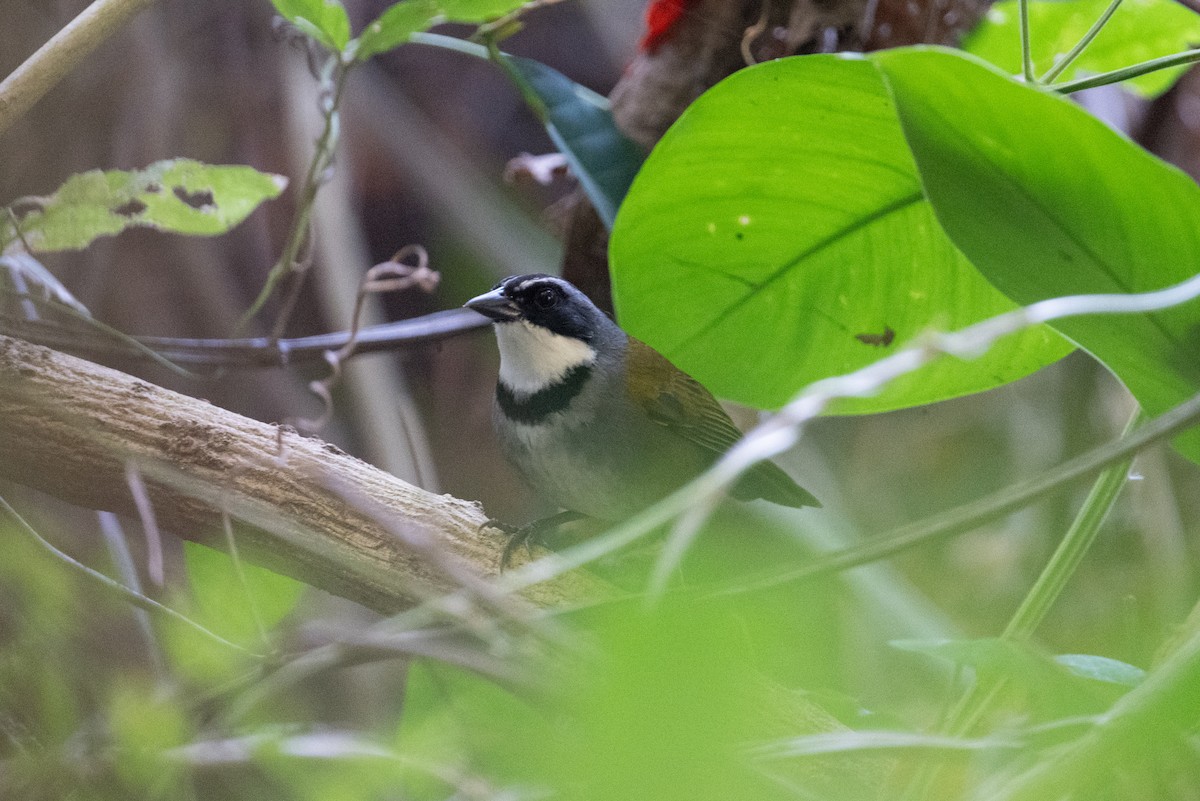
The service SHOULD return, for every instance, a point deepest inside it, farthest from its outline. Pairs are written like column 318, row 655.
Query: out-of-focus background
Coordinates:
column 425, row 137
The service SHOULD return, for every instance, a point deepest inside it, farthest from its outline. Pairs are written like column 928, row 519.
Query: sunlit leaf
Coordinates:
column 1139, row 31
column 1048, row 201
column 400, row 21
column 179, row 196
column 324, row 20
column 778, row 235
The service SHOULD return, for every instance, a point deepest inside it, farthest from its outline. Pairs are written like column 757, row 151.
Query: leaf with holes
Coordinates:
column 778, row 235
column 179, row 196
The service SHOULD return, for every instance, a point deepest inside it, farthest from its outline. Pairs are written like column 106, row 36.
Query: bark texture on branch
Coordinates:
column 69, row 428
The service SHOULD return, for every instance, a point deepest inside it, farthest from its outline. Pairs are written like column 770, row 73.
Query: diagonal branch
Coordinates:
column 68, row 428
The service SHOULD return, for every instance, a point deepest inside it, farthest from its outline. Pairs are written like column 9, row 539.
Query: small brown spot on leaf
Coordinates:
column 878, row 340
column 131, row 208
column 197, row 200
column 153, row 188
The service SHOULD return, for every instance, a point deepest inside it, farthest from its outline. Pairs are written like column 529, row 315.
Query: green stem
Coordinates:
column 1070, row 552
column 1026, row 47
column 321, row 161
column 115, row 587
column 1070, row 57
column 1126, row 73
column 62, row 54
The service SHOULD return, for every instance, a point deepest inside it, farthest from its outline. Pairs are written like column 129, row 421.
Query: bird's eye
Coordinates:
column 545, row 298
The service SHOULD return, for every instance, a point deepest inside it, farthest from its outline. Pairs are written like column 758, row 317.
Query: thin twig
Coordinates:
column 252, row 352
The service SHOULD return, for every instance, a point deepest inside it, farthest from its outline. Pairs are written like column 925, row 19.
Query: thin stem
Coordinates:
column 58, row 57
column 1082, row 44
column 115, row 587
column 1026, row 47
column 1078, row 540
column 1127, row 73
column 322, row 160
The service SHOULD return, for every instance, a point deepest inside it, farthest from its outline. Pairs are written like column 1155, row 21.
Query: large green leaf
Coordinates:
column 1047, row 201
column 180, row 196
column 778, row 235
column 1139, row 31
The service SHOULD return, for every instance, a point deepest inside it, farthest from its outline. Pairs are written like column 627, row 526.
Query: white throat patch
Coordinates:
column 533, row 358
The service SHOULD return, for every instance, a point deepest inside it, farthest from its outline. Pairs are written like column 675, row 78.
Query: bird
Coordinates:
column 596, row 421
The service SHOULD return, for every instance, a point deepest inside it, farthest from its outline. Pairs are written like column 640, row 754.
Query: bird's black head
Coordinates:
column 545, row 301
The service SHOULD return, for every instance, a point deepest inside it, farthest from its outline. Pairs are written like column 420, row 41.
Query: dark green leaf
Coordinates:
column 778, row 235
column 1048, row 201
column 579, row 122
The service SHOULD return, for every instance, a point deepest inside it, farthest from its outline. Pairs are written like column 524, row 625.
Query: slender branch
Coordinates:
column 994, row 506
column 322, row 160
column 1075, row 544
column 63, row 53
column 251, row 352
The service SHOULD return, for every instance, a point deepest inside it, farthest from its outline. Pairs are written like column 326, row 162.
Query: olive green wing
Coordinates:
column 672, row 398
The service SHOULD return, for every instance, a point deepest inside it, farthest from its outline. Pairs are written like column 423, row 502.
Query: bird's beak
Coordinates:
column 494, row 305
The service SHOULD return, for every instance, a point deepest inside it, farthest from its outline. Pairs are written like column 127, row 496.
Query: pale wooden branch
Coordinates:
column 69, row 427
column 62, row 54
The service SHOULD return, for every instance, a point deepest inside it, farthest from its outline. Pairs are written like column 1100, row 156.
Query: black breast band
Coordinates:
column 537, row 407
